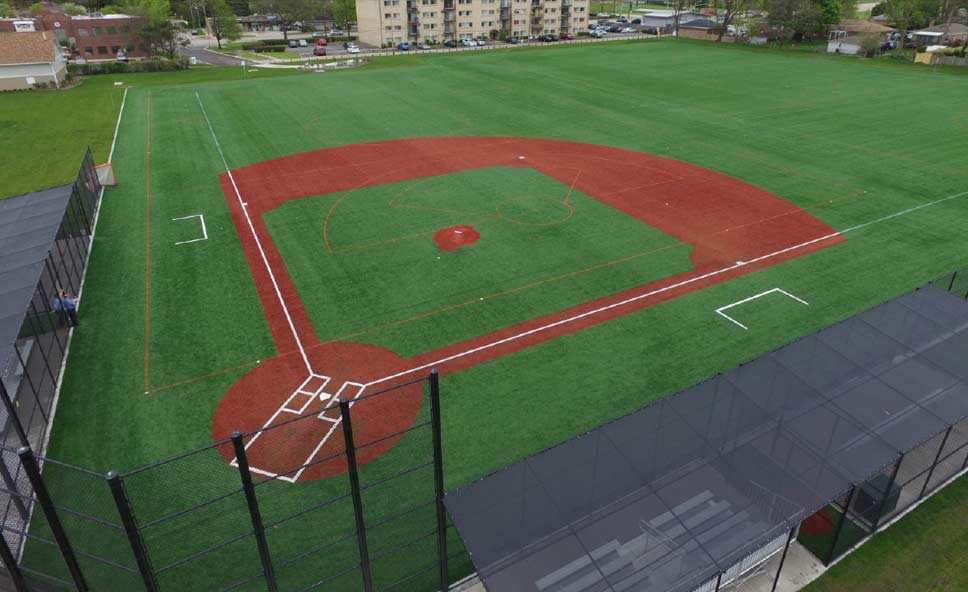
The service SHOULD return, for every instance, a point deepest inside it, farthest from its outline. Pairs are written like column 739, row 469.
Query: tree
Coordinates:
column 870, row 44
column 731, row 8
column 37, row 8
column 794, row 19
column 289, row 12
column 73, row 9
column 240, row 7
column 223, row 21
column 6, row 10
column 157, row 32
column 678, row 7
column 344, row 12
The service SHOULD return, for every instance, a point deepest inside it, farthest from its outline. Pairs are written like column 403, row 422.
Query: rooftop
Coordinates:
column 27, row 48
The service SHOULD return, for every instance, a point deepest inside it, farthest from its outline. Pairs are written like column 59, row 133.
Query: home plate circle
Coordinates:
column 291, row 419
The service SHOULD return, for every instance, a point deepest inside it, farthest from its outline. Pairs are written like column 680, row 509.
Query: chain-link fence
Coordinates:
column 366, row 514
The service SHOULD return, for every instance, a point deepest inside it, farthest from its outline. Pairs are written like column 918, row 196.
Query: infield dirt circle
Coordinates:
column 731, row 228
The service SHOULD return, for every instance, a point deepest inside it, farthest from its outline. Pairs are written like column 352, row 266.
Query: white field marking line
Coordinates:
column 255, row 236
column 704, row 276
column 720, row 310
column 117, row 125
column 360, row 388
column 282, row 407
column 201, row 218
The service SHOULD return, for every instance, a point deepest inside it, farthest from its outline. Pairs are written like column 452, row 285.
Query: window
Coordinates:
column 463, row 13
column 97, row 31
column 83, row 33
column 389, row 27
column 88, row 51
column 112, row 30
column 115, row 49
column 397, row 27
column 465, row 25
column 431, row 26
column 102, row 50
column 429, row 14
column 387, row 3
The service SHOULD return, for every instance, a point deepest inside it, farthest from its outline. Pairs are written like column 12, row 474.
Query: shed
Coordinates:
column 954, row 33
column 30, row 58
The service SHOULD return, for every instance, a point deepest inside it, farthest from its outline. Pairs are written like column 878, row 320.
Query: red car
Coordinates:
column 321, row 42
column 567, row 37
column 319, row 50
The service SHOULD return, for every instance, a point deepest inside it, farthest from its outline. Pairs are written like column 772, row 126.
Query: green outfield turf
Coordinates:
column 850, row 141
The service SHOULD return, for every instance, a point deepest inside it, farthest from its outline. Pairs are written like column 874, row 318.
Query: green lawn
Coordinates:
column 923, row 552
column 43, row 134
column 823, row 133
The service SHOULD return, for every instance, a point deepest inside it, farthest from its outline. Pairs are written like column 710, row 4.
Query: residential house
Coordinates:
column 943, row 34
column 29, row 58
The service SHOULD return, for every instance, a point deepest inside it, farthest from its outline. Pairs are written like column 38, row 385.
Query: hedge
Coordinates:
column 266, row 48
column 116, row 67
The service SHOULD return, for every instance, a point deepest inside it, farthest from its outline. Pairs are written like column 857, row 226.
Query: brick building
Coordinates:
column 86, row 37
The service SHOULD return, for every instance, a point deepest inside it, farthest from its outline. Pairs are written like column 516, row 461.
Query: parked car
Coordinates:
column 614, row 29
column 468, row 43
column 511, row 40
column 337, row 33
column 319, row 50
column 599, row 33
column 567, row 37
column 322, row 41
column 636, row 21
column 403, row 46
column 548, row 38
column 450, row 43
column 628, row 30
column 482, row 42
column 423, row 46
column 603, row 15
column 302, row 43
column 885, row 46
column 293, row 43
column 352, row 49
column 623, row 20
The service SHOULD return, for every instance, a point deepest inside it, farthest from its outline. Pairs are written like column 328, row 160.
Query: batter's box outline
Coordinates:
column 720, row 310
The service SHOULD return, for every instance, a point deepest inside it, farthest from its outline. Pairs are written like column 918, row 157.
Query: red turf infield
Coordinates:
column 724, row 220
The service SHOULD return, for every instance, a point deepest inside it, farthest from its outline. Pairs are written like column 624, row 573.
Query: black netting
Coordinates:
column 710, row 481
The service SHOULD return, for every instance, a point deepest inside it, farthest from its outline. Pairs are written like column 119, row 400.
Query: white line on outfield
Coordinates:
column 704, row 276
column 255, row 236
column 720, row 310
column 201, row 218
column 117, row 125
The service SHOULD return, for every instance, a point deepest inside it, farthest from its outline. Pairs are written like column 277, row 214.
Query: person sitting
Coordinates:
column 65, row 302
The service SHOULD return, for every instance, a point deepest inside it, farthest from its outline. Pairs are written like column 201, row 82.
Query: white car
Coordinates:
column 598, row 33
column 628, row 30
column 302, row 43
column 352, row 49
column 468, row 43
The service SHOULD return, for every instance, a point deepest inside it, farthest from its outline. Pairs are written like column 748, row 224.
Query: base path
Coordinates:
column 732, row 227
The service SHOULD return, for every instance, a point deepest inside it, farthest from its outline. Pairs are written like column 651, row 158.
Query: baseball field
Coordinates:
column 566, row 234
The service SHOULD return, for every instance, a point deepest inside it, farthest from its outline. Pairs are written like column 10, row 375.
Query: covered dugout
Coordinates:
column 840, row 431
column 45, row 238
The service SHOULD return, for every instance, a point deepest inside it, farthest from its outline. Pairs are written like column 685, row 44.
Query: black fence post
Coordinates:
column 344, row 411
column 786, row 547
column 951, row 284
column 436, row 426
column 56, row 528
column 719, row 580
column 887, row 494
column 840, row 526
column 937, row 457
column 10, row 562
column 258, row 528
column 131, row 529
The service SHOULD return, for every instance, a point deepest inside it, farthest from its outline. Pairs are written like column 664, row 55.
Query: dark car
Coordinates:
column 614, row 29
column 636, row 21
column 623, row 20
column 511, row 40
column 547, row 38
column 293, row 43
column 888, row 45
column 403, row 46
column 450, row 43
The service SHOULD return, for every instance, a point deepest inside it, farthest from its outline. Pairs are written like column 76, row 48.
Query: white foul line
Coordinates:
column 720, row 310
column 201, row 219
column 117, row 125
column 729, row 268
column 255, row 236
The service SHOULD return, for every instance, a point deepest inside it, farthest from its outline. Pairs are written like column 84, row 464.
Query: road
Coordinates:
column 209, row 57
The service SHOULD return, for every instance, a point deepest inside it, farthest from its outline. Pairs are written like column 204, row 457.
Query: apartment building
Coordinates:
column 435, row 21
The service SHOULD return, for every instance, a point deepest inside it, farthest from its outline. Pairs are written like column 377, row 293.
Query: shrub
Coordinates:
column 268, row 48
column 115, row 67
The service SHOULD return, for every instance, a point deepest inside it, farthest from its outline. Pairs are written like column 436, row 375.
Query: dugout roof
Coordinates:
column 668, row 497
column 28, row 227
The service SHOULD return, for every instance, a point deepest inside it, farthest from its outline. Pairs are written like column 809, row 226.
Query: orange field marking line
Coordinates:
column 147, row 240
column 209, row 375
